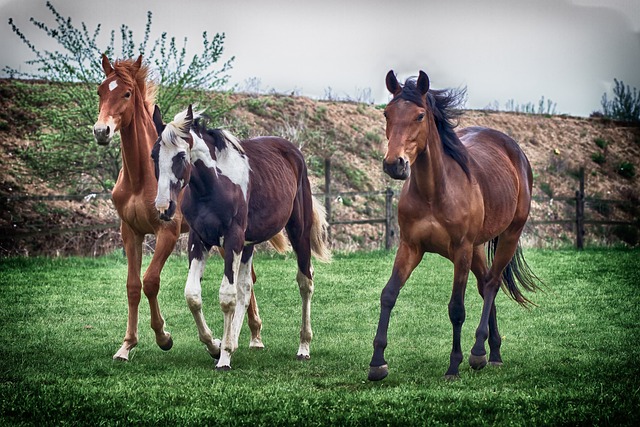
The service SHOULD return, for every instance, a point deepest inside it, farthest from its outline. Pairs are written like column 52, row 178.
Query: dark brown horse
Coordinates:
column 127, row 105
column 238, row 194
column 462, row 190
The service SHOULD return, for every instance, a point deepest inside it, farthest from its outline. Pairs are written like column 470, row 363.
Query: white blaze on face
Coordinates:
column 168, row 151
column 113, row 85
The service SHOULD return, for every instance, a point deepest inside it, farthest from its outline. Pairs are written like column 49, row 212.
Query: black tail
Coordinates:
column 517, row 272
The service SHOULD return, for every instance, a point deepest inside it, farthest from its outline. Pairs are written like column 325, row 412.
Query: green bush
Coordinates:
column 77, row 65
column 599, row 158
column 601, row 142
column 624, row 106
column 627, row 169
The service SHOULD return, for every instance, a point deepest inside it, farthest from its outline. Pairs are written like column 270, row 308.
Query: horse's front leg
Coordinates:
column 461, row 257
column 244, row 287
column 133, row 249
column 193, row 293
column 228, row 299
column 407, row 258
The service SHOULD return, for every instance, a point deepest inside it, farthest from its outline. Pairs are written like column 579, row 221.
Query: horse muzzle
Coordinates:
column 398, row 169
column 103, row 133
column 166, row 212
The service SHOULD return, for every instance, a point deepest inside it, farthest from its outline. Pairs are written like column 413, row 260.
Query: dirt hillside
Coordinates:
column 352, row 136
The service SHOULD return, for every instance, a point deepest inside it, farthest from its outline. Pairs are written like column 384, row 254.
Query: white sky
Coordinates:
column 568, row 51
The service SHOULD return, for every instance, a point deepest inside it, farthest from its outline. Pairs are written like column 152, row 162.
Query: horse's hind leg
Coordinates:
column 505, row 250
column 480, row 269
column 298, row 231
column 193, row 294
column 253, row 317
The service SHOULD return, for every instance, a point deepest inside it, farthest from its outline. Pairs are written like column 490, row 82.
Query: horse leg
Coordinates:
column 461, row 257
column 165, row 242
column 244, row 286
column 299, row 232
column 253, row 313
column 193, row 293
column 506, row 248
column 228, row 299
column 407, row 259
column 133, row 249
column 253, row 317
column 480, row 269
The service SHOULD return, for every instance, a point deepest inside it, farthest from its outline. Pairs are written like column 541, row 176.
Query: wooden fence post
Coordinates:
column 580, row 213
column 388, row 203
column 327, row 193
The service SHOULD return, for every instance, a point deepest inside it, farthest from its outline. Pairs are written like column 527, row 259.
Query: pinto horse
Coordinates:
column 462, row 189
column 238, row 194
column 127, row 105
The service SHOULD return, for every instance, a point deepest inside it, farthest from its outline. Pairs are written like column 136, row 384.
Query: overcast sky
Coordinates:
column 568, row 51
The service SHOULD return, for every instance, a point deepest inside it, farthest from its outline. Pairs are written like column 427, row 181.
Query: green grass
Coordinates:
column 573, row 360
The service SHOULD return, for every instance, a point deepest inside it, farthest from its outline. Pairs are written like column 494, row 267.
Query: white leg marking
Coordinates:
column 306, row 292
column 228, row 300
column 243, row 288
column 193, row 295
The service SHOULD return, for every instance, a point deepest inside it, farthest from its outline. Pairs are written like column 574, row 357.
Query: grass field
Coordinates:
column 573, row 360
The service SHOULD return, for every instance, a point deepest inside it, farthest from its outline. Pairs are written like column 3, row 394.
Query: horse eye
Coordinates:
column 420, row 117
column 384, row 113
column 127, row 95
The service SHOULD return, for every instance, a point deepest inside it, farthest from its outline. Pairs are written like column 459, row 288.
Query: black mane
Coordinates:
column 445, row 106
column 217, row 137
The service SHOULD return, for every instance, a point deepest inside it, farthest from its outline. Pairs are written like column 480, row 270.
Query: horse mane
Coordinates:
column 445, row 105
column 222, row 138
column 125, row 70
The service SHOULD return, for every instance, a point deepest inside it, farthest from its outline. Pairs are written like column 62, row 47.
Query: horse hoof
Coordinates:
column 451, row 377
column 256, row 344
column 303, row 357
column 495, row 363
column 224, row 368
column 477, row 362
column 167, row 346
column 120, row 358
column 377, row 373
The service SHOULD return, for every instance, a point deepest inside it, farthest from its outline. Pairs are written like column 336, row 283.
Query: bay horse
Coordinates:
column 462, row 189
column 237, row 194
column 127, row 105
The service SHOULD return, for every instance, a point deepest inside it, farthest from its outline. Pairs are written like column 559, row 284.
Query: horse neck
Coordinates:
column 136, row 141
column 428, row 172
column 203, row 175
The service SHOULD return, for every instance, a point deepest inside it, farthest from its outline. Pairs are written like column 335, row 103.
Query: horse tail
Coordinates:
column 516, row 275
column 319, row 232
column 280, row 243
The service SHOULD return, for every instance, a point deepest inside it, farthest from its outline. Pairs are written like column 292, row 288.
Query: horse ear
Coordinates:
column 189, row 116
column 157, row 120
column 423, row 83
column 138, row 63
column 392, row 83
column 106, row 65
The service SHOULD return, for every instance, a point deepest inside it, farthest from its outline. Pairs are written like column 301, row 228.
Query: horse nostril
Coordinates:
column 107, row 130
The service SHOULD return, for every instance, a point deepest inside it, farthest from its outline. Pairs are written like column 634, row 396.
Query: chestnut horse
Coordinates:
column 462, row 189
column 126, row 105
column 238, row 194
